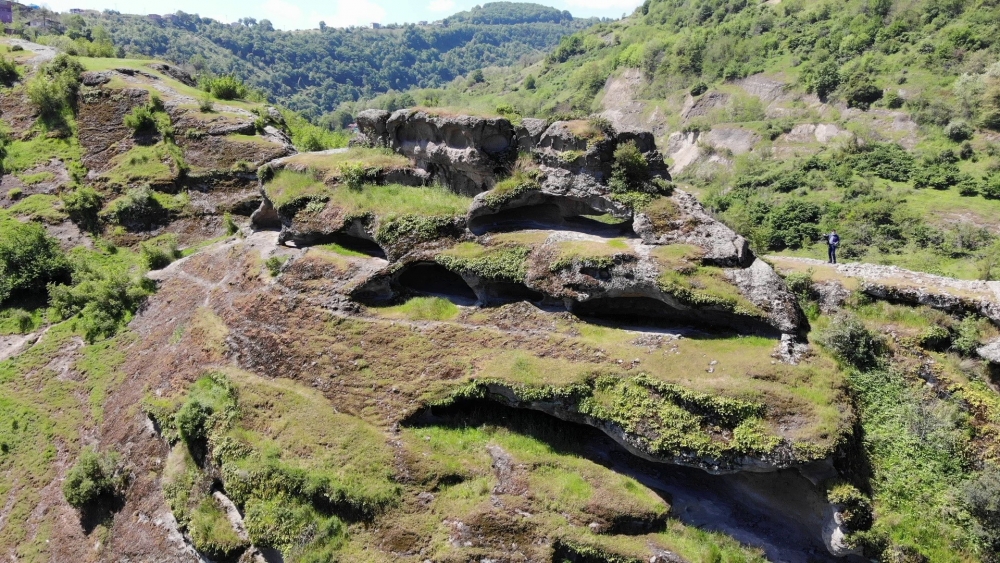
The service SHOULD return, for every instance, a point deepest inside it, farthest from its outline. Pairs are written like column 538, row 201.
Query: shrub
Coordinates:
column 29, row 259
column 529, row 82
column 990, row 188
column 982, row 495
column 140, row 119
column 274, row 264
column 158, row 254
column 137, row 206
column 793, row 223
column 967, row 337
column 103, row 301
column 801, row 284
column 630, row 171
column 94, row 475
column 8, row 71
column 893, row 100
column 227, row 87
column 310, row 141
column 14, row 194
column 939, row 176
column 205, row 104
column 861, row 93
column 54, row 87
column 83, row 205
column 265, row 173
column 856, row 508
column 885, row 160
column 191, row 421
column 824, row 79
column 935, row 338
column 852, row 342
column 699, row 89
column 23, row 320
column 958, row 131
column 991, row 119
column 231, row 227
column 211, row 533
column 354, row 176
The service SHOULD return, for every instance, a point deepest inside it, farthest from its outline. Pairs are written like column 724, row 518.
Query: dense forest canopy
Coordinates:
column 509, row 13
column 313, row 71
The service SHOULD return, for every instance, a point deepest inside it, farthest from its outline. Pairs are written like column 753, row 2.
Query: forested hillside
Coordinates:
column 313, row 71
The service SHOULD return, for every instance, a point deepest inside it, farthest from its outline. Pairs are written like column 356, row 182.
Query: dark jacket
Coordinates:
column 833, row 240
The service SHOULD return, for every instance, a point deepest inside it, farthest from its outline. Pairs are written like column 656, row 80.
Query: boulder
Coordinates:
column 466, row 152
column 579, row 147
column 529, row 133
column 693, row 225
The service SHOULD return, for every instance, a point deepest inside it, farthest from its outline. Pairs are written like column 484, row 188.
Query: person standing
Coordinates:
column 832, row 242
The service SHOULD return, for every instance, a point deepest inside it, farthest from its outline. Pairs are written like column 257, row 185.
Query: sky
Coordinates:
column 306, row 14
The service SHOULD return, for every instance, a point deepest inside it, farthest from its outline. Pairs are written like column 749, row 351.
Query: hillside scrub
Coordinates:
column 53, row 89
column 94, row 475
column 29, row 259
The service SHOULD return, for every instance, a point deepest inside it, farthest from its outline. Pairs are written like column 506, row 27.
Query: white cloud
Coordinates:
column 441, row 5
column 285, row 15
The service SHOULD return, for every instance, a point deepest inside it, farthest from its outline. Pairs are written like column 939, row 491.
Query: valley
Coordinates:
column 583, row 321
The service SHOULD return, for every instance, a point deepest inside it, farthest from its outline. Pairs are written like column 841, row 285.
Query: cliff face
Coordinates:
column 357, row 373
column 661, row 257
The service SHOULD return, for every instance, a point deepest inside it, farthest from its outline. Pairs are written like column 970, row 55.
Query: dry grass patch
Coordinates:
column 599, row 254
column 328, row 164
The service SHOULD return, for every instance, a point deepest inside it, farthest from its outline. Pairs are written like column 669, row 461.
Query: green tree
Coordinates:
column 29, row 259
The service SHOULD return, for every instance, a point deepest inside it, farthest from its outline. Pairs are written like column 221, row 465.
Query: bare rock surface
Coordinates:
column 695, row 226
column 466, row 151
column 893, row 283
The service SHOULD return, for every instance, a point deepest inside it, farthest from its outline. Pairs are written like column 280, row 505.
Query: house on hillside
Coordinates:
column 376, row 25
column 6, row 12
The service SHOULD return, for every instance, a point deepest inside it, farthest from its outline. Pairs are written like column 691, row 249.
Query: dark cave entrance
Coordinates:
column 559, row 214
column 780, row 511
column 639, row 312
column 357, row 244
column 429, row 278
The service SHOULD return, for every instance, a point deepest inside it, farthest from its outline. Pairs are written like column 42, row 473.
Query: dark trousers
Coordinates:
column 833, row 254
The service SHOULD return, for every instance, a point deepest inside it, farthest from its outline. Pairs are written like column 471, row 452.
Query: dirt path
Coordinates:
column 43, row 53
column 13, row 344
column 855, row 273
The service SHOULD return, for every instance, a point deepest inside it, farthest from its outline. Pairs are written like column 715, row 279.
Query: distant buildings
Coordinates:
column 376, row 25
column 6, row 12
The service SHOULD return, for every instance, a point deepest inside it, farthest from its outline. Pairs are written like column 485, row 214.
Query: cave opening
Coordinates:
column 646, row 313
column 562, row 214
column 429, row 278
column 356, row 244
column 782, row 511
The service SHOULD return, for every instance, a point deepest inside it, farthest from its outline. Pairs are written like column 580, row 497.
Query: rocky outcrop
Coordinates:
column 380, row 175
column 764, row 288
column 560, row 198
column 693, row 225
column 627, row 285
column 577, row 146
column 467, row 152
column 567, row 409
column 100, row 118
